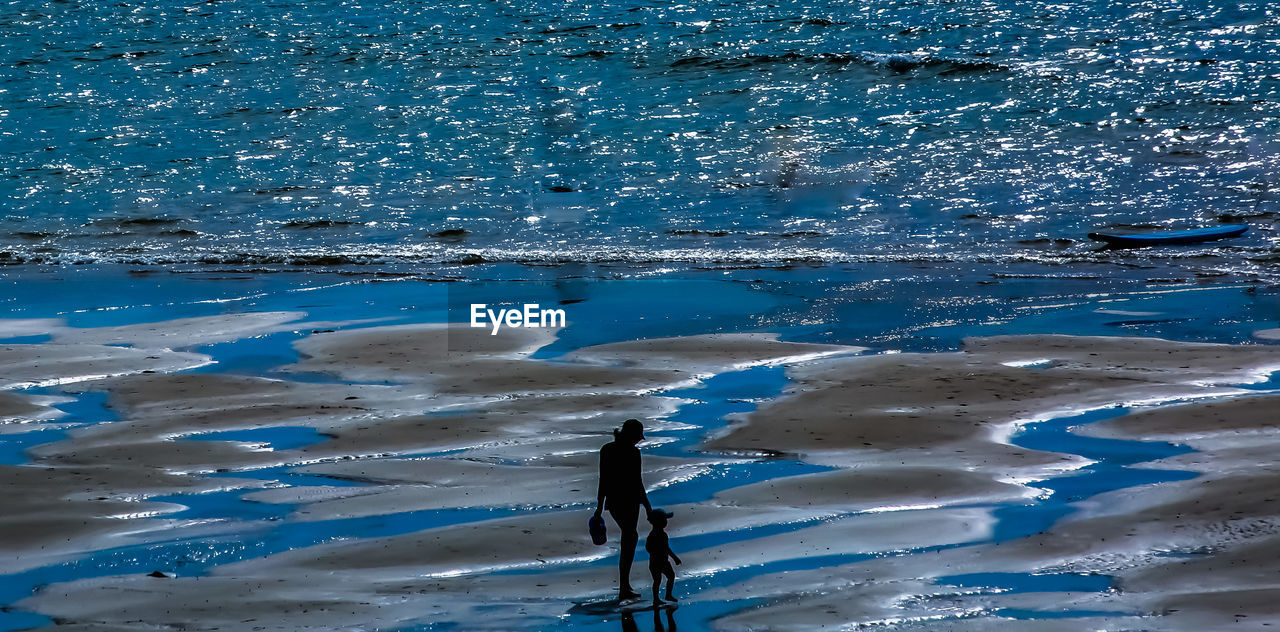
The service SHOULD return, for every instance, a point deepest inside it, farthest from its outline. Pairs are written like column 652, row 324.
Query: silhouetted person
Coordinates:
column 659, row 550
column 622, row 492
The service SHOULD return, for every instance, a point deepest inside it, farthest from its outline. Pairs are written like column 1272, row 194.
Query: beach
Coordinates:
column 412, row 475
column 317, row 317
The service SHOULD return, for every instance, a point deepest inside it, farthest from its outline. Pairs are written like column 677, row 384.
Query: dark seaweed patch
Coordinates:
column 321, row 223
column 571, row 29
column 1240, row 218
column 454, row 234
column 593, row 54
column 134, row 222
column 1123, row 226
column 1044, row 242
column 697, row 233
column 279, row 190
column 896, row 63
column 323, row 260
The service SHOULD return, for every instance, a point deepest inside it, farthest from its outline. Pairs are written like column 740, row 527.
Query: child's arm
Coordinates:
column 673, row 556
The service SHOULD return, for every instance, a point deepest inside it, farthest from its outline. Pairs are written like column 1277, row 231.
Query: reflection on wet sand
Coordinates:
column 664, row 620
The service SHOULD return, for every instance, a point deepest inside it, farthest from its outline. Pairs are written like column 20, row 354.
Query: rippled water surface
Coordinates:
column 333, row 132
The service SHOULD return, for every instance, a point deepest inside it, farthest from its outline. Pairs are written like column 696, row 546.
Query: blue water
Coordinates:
column 276, row 438
column 1110, row 472
column 930, row 308
column 85, row 408
column 353, row 132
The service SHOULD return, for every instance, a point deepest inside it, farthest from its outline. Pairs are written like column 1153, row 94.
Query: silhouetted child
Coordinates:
column 659, row 549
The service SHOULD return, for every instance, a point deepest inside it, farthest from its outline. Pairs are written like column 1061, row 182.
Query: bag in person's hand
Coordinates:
column 596, row 526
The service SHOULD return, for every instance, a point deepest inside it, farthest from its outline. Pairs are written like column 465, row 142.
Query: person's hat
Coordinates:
column 633, row 426
column 658, row 511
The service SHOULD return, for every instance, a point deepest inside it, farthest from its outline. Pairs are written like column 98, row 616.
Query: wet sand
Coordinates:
column 1198, row 554
column 423, row 422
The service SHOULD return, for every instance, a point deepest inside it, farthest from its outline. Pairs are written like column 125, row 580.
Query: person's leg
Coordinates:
column 671, row 581
column 626, row 519
column 657, row 584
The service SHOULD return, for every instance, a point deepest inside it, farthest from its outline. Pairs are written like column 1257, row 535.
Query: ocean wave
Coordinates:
column 1204, row 262
column 363, row 256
